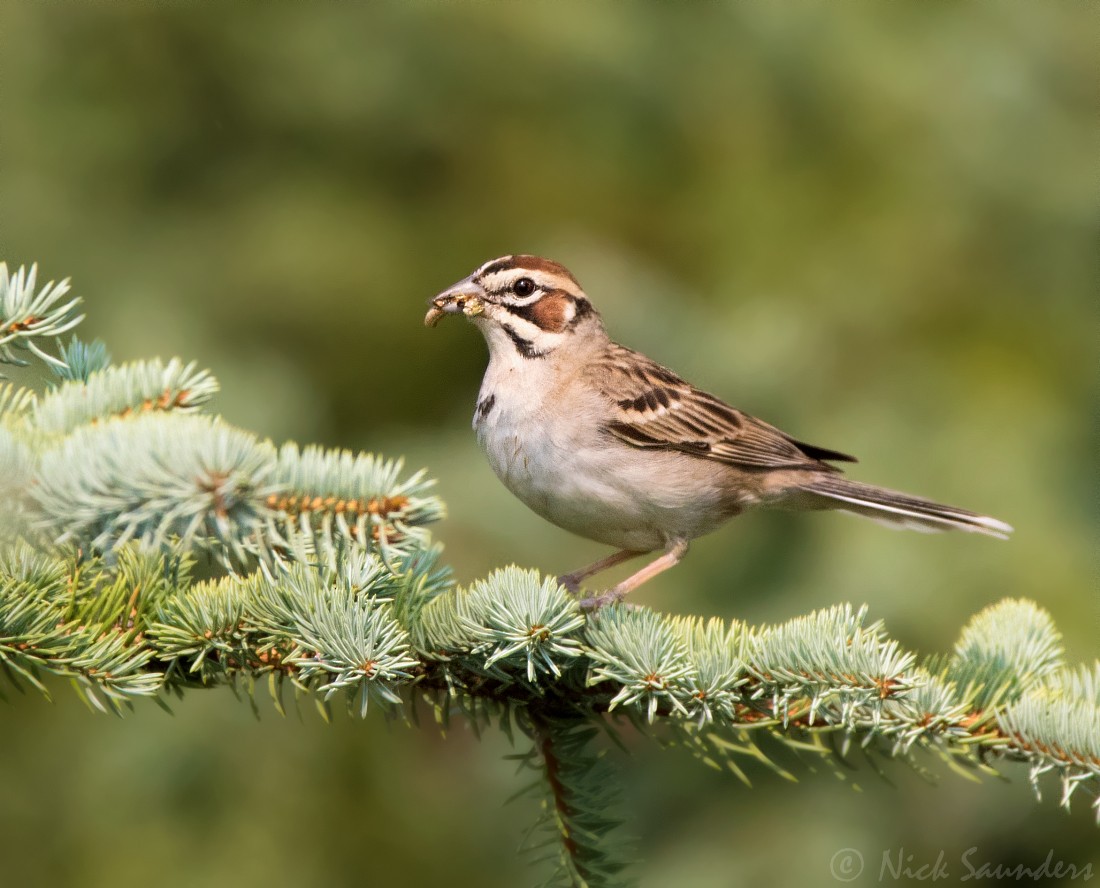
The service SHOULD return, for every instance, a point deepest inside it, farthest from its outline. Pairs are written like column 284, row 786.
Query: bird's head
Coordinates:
column 524, row 303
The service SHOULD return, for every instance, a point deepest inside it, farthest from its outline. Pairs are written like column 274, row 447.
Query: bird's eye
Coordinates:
column 523, row 287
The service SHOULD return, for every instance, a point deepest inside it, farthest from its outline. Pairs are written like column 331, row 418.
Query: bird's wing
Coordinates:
column 653, row 407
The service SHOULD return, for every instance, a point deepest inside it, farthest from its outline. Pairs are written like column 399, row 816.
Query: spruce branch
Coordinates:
column 1057, row 726
column 1004, row 650
column 338, row 497
column 142, row 386
column 642, row 655
column 81, row 360
column 28, row 316
column 832, row 660
column 154, row 479
column 522, row 624
column 322, row 581
column 578, row 827
column 15, row 401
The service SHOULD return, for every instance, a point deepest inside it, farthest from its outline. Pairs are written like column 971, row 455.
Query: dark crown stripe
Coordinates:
column 498, row 265
column 528, row 263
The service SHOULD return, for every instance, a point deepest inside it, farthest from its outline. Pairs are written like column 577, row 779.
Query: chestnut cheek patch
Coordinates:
column 553, row 312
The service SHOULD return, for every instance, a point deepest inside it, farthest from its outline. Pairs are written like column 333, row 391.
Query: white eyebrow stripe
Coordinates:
column 546, row 281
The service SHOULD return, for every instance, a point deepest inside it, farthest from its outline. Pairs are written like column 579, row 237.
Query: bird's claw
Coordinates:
column 595, row 602
column 570, row 583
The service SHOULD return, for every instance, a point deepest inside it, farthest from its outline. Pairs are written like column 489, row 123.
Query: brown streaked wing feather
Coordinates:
column 653, row 407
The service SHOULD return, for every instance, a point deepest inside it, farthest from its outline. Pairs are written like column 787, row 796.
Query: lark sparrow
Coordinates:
column 608, row 444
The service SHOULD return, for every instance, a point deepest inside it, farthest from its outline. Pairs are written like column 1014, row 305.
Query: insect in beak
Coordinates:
column 465, row 297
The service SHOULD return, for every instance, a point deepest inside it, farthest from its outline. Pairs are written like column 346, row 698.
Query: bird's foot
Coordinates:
column 595, row 602
column 571, row 582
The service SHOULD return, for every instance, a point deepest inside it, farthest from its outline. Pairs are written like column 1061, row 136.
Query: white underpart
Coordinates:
column 559, row 464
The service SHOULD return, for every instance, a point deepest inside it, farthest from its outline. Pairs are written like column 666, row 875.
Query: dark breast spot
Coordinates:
column 484, row 407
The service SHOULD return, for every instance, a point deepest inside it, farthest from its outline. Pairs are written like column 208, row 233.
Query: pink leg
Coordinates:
column 675, row 551
column 572, row 581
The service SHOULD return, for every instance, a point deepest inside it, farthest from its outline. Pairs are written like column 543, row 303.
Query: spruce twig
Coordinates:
column 30, row 316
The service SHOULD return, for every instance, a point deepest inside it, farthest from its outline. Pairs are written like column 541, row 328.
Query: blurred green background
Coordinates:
column 873, row 225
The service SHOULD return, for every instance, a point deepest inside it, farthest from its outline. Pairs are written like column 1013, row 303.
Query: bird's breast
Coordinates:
column 522, row 439
column 554, row 457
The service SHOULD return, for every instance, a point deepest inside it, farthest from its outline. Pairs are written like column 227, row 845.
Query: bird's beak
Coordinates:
column 466, row 297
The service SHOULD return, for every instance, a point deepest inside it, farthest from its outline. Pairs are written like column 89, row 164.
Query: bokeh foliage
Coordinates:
column 871, row 225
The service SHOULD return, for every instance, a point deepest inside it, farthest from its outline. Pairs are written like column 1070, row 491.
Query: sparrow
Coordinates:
column 610, row 445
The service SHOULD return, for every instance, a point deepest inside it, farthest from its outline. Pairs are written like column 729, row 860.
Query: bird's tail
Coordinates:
column 893, row 508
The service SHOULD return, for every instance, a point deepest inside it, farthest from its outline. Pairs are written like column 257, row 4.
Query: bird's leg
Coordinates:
column 572, row 581
column 673, row 553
